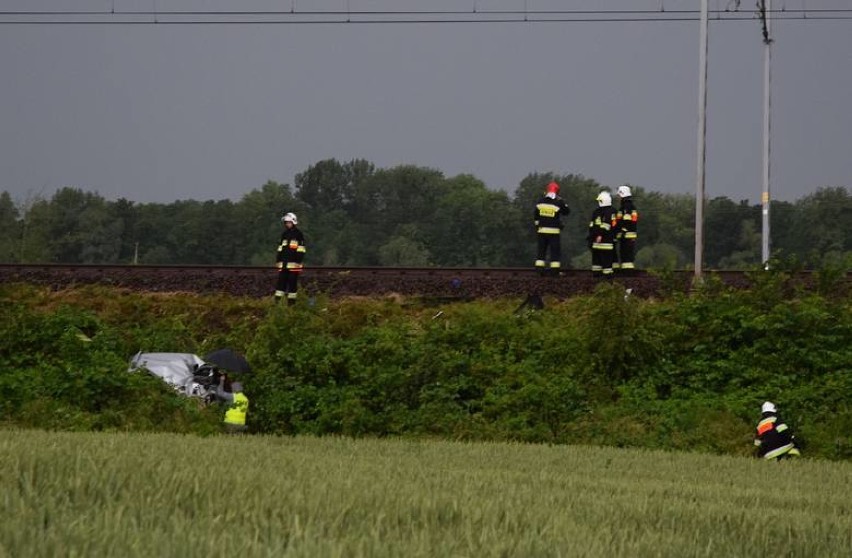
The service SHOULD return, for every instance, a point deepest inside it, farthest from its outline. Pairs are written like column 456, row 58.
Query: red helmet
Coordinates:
column 553, row 188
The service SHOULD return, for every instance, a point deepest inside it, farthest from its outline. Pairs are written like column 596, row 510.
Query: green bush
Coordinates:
column 687, row 371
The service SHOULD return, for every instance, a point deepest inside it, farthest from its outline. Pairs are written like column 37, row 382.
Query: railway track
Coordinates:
column 335, row 282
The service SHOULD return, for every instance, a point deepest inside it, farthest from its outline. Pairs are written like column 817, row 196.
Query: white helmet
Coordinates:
column 768, row 407
column 624, row 191
column 290, row 218
column 604, row 199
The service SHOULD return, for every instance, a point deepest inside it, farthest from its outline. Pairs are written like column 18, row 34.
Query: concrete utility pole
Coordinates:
column 702, row 150
column 765, row 6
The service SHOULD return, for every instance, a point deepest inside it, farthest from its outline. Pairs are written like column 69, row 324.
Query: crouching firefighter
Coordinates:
column 774, row 439
column 291, row 252
column 238, row 404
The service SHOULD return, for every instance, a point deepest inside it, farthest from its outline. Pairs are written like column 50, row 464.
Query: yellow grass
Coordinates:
column 91, row 494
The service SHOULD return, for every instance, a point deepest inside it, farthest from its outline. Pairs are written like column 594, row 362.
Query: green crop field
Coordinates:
column 116, row 494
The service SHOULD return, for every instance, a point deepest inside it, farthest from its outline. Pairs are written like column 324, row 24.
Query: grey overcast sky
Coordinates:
column 158, row 113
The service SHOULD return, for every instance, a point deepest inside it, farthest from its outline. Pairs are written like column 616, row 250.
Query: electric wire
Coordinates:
column 294, row 17
column 800, row 11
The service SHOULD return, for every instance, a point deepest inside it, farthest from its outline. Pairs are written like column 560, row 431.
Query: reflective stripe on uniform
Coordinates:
column 547, row 209
column 765, row 425
column 778, row 452
column 548, row 230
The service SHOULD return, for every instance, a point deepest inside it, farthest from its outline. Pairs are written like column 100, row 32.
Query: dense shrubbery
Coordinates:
column 687, row 372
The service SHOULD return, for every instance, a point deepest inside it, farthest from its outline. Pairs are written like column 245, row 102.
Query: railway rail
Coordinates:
column 335, row 282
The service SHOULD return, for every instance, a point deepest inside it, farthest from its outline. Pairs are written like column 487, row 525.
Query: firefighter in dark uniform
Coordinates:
column 548, row 227
column 601, row 237
column 291, row 252
column 627, row 218
column 774, row 439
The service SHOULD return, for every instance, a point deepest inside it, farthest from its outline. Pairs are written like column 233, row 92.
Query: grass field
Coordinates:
column 125, row 495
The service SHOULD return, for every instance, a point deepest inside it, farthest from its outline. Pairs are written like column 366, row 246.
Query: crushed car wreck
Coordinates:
column 189, row 374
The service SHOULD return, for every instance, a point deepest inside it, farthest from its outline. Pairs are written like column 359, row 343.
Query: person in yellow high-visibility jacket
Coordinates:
column 235, row 414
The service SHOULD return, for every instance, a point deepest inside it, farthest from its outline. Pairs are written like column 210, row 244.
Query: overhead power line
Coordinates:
column 792, row 11
column 302, row 17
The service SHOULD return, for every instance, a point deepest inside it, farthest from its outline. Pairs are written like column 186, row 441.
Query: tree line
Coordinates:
column 354, row 214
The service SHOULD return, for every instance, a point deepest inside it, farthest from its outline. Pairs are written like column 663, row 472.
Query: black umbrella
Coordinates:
column 229, row 360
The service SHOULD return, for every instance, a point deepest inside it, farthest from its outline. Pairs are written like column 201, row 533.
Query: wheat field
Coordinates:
column 127, row 495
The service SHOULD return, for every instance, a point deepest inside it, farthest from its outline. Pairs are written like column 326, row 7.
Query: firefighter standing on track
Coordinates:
column 774, row 439
column 548, row 227
column 601, row 236
column 627, row 218
column 291, row 252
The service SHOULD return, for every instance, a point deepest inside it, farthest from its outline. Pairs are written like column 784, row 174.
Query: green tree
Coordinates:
column 473, row 226
column 327, row 191
column 667, row 219
column 188, row 232
column 660, row 256
column 35, row 223
column 221, row 231
column 387, row 200
column 10, row 229
column 126, row 212
column 158, row 235
column 353, row 214
column 824, row 225
column 731, row 237
column 747, row 251
column 330, row 184
column 81, row 228
column 782, row 226
column 258, row 215
column 404, row 249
